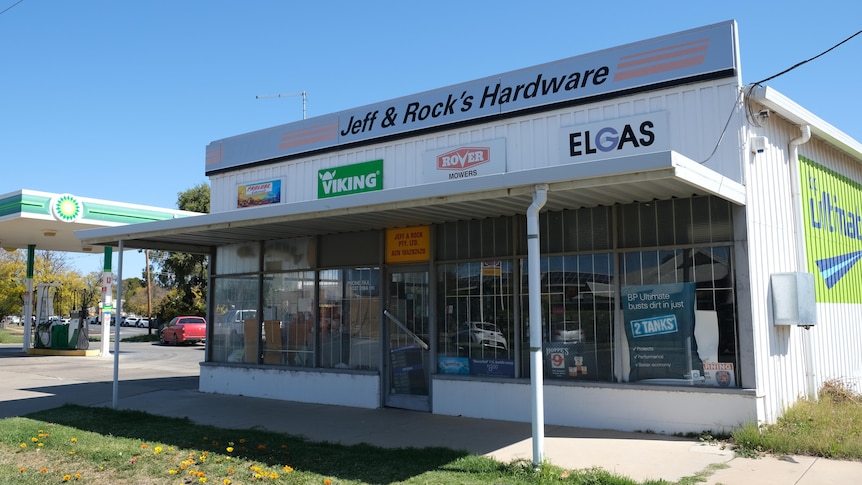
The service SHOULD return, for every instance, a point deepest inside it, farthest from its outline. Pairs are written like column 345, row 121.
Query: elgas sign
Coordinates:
column 615, row 138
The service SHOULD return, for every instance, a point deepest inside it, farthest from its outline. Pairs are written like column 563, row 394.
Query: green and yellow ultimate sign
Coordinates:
column 833, row 232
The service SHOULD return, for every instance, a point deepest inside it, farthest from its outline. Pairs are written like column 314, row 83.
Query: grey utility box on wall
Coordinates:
column 793, row 301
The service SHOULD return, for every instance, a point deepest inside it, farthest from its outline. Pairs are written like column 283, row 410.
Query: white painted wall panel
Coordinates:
column 777, row 350
column 660, row 409
column 357, row 390
column 837, row 339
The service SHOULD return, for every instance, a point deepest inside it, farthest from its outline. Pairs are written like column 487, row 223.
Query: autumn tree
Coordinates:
column 13, row 267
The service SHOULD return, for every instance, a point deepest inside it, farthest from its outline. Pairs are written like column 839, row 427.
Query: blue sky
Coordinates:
column 117, row 100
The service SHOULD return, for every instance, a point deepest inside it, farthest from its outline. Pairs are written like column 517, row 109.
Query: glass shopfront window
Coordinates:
column 288, row 318
column 640, row 292
column 349, row 309
column 236, row 328
column 679, row 314
column 476, row 315
column 577, row 317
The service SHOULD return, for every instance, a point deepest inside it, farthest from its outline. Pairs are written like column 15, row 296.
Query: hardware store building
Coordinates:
column 667, row 248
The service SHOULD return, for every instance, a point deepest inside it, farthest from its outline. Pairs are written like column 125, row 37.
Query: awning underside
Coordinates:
column 657, row 176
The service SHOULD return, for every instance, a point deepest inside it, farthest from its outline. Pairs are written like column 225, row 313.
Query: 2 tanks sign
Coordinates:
column 659, row 324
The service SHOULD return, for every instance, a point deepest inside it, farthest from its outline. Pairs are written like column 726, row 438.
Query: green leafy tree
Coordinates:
column 13, row 267
column 185, row 275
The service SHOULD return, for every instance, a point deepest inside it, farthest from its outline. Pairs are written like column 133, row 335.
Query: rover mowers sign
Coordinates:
column 465, row 161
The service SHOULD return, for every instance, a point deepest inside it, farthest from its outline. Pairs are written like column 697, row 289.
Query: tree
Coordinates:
column 48, row 267
column 184, row 274
column 13, row 267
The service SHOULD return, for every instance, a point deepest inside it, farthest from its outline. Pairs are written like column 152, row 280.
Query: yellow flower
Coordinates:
column 34, row 439
column 77, row 476
column 66, row 478
column 43, row 470
column 226, row 481
column 74, row 440
column 230, row 449
column 23, row 445
column 72, row 452
column 327, row 481
column 202, row 479
column 40, row 444
column 157, row 450
column 22, row 470
column 144, row 446
column 288, row 469
column 273, row 475
column 173, row 472
column 230, row 471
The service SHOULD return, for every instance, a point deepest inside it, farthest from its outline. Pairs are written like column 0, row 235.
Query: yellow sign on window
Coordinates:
column 408, row 244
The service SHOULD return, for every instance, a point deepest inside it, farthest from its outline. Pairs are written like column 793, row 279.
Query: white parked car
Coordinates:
column 479, row 334
column 142, row 323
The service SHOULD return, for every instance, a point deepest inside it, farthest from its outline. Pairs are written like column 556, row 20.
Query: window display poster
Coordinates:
column 567, row 361
column 659, row 324
column 476, row 367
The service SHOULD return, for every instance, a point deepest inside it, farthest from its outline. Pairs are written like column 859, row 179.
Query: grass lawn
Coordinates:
column 78, row 444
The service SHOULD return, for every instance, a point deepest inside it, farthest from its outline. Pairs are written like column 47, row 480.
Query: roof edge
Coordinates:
column 795, row 113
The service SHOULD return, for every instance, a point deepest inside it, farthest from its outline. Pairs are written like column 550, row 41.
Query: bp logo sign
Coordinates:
column 66, row 208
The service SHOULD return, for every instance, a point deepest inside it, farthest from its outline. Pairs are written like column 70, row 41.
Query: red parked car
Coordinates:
column 184, row 330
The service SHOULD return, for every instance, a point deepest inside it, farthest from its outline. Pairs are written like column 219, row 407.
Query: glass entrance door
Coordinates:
column 407, row 316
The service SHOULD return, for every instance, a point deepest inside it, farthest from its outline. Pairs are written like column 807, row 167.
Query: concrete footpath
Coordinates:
column 164, row 381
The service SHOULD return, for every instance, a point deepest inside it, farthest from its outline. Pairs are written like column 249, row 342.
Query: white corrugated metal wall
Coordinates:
column 778, row 350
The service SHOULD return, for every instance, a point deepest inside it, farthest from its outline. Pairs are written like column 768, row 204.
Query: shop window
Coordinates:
column 288, row 319
column 679, row 316
column 290, row 254
column 476, row 318
column 677, row 222
column 350, row 249
column 577, row 298
column 236, row 326
column 349, row 311
column 238, row 258
column 474, row 239
column 587, row 229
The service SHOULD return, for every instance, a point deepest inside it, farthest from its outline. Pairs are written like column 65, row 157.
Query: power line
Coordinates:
column 10, row 7
column 807, row 60
column 749, row 87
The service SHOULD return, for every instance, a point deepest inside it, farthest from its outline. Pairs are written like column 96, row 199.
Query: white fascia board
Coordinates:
column 798, row 115
column 700, row 176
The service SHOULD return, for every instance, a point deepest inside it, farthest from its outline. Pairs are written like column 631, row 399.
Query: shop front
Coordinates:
column 381, row 256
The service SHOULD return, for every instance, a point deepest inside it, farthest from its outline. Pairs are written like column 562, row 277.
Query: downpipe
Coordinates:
column 540, row 197
column 801, row 259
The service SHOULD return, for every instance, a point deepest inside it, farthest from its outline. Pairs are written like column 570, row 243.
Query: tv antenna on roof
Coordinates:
column 288, row 95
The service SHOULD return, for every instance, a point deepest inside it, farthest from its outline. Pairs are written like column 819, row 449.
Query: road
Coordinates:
column 31, row 383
